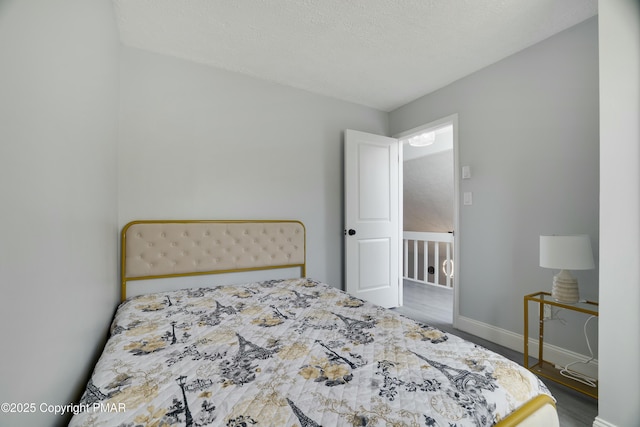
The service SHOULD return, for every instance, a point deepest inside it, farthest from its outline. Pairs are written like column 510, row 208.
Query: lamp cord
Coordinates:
column 577, row 376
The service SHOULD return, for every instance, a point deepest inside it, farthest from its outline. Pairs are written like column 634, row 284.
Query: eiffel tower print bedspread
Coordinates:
column 291, row 353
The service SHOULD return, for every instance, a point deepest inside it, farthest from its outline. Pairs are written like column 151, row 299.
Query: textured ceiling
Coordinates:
column 378, row 53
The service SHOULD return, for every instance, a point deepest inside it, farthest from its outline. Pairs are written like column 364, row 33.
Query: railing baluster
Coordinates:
column 406, row 258
column 449, row 266
column 415, row 259
column 436, row 261
column 425, row 264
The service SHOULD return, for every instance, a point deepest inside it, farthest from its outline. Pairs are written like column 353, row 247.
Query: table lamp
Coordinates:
column 568, row 252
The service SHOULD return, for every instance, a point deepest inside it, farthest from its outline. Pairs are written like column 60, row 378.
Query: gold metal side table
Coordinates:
column 547, row 369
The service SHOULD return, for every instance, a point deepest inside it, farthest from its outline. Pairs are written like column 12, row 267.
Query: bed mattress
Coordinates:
column 291, row 352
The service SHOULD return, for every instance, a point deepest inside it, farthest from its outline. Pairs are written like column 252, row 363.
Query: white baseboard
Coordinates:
column 599, row 422
column 514, row 341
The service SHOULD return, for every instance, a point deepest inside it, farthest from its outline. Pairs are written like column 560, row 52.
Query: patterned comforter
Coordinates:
column 289, row 353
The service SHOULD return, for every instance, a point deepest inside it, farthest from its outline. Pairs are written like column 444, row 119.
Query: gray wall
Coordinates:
column 58, row 214
column 196, row 142
column 428, row 193
column 528, row 127
column 619, row 22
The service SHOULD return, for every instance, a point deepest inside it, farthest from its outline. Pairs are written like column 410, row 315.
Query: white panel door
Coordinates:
column 372, row 223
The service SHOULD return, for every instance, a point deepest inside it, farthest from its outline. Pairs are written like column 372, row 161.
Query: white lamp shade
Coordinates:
column 572, row 252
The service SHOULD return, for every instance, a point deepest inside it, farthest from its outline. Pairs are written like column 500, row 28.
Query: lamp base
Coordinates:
column 565, row 288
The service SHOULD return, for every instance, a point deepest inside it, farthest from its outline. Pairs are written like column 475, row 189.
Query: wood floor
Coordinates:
column 434, row 306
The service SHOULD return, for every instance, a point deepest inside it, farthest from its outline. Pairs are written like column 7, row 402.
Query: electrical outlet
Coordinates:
column 547, row 311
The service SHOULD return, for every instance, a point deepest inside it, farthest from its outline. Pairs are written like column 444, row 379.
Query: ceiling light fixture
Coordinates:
column 422, row 139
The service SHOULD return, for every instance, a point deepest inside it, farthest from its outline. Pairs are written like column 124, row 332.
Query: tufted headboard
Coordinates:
column 155, row 249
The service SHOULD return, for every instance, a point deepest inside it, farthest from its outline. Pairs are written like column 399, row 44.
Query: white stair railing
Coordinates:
column 423, row 250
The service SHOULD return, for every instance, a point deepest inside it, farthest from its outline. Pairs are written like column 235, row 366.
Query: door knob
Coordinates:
column 351, row 232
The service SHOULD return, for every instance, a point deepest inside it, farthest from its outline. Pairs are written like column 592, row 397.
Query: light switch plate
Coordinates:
column 468, row 198
column 466, row 172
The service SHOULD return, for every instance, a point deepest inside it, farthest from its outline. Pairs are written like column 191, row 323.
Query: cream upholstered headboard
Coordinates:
column 154, row 249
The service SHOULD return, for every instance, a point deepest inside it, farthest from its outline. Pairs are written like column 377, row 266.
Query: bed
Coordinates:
column 282, row 352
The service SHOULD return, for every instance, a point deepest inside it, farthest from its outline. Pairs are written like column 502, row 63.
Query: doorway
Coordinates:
column 429, row 210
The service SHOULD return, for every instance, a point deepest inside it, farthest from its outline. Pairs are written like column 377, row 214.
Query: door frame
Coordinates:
column 453, row 120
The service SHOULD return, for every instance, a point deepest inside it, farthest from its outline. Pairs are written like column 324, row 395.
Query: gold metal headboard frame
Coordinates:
column 158, row 249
